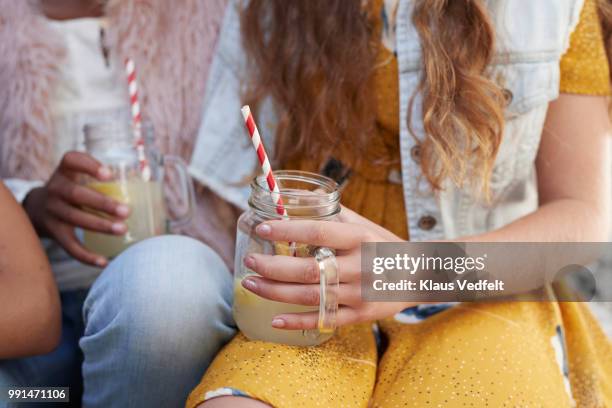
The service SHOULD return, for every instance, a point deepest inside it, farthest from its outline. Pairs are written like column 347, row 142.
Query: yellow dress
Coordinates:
column 514, row 354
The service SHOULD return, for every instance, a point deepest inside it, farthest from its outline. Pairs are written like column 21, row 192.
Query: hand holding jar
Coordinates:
column 295, row 280
column 57, row 208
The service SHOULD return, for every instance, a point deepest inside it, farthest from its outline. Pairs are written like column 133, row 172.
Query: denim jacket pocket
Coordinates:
column 528, row 88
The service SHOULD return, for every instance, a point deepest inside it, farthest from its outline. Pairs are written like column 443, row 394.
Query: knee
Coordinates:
column 173, row 291
column 172, row 270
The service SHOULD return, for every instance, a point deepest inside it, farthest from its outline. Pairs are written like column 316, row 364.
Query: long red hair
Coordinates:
column 316, row 58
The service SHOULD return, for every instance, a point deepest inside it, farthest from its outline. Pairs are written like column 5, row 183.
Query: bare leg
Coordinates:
column 233, row 402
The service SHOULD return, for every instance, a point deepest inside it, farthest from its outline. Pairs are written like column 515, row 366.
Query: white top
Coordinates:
column 88, row 91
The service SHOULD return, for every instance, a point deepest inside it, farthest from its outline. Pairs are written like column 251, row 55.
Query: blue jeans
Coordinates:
column 150, row 325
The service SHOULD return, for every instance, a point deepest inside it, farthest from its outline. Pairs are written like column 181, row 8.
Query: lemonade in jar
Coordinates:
column 305, row 196
column 112, row 144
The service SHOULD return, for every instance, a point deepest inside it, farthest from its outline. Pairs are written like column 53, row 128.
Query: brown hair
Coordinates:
column 462, row 108
column 315, row 59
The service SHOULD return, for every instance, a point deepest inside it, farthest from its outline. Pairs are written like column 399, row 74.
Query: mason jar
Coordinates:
column 305, row 196
column 112, row 144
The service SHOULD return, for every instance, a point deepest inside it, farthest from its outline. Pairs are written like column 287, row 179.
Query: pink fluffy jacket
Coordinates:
column 172, row 44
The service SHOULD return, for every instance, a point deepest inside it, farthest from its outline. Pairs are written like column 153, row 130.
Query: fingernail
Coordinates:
column 263, row 229
column 250, row 284
column 278, row 323
column 104, row 172
column 122, row 210
column 100, row 262
column 118, row 227
column 249, row 262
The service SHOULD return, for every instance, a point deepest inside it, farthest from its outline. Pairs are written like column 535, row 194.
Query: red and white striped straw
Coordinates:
column 265, row 165
column 132, row 80
column 263, row 160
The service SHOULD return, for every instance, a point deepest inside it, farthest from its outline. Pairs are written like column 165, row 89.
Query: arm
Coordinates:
column 222, row 133
column 30, row 309
column 573, row 167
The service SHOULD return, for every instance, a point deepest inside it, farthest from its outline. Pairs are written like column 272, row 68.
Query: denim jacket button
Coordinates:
column 427, row 222
column 508, row 96
column 415, row 153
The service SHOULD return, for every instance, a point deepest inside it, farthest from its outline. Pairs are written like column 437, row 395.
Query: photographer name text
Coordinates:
column 410, row 266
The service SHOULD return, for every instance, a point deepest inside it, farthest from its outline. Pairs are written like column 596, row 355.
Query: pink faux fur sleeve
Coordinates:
column 28, row 69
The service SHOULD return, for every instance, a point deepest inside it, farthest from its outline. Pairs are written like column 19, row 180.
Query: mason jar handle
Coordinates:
column 187, row 190
column 328, row 286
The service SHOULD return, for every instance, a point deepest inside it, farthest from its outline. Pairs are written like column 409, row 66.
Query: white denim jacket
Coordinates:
column 532, row 35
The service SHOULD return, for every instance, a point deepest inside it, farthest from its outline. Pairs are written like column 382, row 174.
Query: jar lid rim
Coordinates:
column 259, row 183
column 326, row 189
